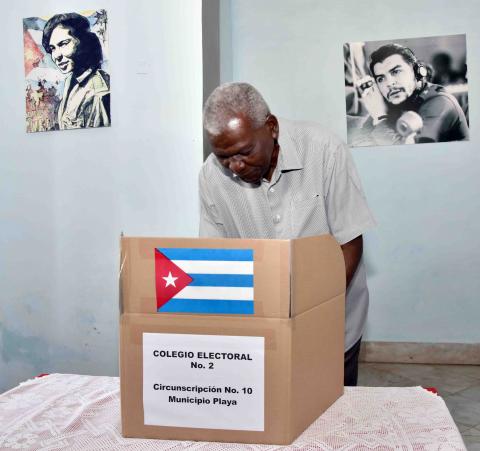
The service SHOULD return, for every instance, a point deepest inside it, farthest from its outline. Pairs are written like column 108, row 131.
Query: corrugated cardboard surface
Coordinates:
column 277, row 364
column 303, row 354
column 317, row 362
column 271, row 272
column 317, row 272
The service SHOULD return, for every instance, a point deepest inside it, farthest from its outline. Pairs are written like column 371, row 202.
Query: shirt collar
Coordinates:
column 84, row 75
column 288, row 159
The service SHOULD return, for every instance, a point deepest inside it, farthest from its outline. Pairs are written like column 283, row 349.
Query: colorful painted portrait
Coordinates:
column 66, row 71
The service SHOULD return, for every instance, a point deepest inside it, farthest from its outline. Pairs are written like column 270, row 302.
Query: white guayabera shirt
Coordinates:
column 314, row 190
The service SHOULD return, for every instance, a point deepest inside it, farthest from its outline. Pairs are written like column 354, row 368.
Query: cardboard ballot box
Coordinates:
column 233, row 340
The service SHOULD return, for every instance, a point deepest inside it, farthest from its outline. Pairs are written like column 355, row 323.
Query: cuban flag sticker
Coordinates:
column 204, row 280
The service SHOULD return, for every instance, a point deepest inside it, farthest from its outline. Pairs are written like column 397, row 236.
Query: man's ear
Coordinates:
column 272, row 124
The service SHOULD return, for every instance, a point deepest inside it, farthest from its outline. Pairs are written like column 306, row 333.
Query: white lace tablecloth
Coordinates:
column 73, row 412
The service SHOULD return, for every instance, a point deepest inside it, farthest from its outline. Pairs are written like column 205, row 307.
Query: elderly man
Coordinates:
column 271, row 178
column 432, row 114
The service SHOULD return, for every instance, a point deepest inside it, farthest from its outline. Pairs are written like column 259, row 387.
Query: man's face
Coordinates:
column 395, row 79
column 63, row 47
column 245, row 151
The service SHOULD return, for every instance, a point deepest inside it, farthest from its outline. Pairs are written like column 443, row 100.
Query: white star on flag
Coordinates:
column 170, row 280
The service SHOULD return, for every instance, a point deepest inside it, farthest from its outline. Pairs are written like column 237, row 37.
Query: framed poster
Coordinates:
column 406, row 91
column 66, row 71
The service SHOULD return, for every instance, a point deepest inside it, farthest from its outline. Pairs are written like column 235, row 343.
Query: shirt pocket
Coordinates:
column 306, row 202
column 308, row 216
column 214, row 214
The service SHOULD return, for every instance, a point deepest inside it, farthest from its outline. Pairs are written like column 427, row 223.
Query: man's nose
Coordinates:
column 56, row 55
column 391, row 81
column 236, row 164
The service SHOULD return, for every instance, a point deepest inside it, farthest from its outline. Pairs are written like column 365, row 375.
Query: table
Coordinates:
column 74, row 412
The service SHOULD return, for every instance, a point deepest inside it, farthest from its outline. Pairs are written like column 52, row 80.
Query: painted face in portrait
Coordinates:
column 395, row 79
column 249, row 153
column 63, row 47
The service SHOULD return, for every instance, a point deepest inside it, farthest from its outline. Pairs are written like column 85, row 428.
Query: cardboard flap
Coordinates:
column 317, row 361
column 317, row 272
column 139, row 281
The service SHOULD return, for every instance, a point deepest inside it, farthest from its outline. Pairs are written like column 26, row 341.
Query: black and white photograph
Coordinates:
column 406, row 91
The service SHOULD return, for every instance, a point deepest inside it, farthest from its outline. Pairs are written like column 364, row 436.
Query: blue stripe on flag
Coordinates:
column 207, row 254
column 207, row 306
column 221, row 280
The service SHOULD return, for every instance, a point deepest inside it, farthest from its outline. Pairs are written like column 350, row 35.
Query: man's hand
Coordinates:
column 372, row 98
column 352, row 253
column 408, row 125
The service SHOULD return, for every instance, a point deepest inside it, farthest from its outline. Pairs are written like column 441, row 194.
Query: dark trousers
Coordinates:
column 351, row 365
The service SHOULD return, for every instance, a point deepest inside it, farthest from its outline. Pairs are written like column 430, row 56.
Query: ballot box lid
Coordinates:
column 216, row 276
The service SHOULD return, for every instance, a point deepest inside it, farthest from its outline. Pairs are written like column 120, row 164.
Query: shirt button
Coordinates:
column 272, row 189
column 276, row 219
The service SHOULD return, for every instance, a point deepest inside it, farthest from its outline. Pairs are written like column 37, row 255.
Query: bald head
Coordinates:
column 231, row 100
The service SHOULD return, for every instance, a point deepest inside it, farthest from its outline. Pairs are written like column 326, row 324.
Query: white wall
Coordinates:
column 423, row 259
column 66, row 196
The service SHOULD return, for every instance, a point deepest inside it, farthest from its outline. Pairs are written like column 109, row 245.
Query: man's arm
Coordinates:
column 443, row 120
column 383, row 133
column 347, row 209
column 352, row 253
column 377, row 129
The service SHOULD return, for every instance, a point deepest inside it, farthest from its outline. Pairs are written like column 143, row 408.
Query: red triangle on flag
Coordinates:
column 32, row 55
column 169, row 278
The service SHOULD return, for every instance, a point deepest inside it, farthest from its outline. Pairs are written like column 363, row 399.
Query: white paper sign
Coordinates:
column 203, row 381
